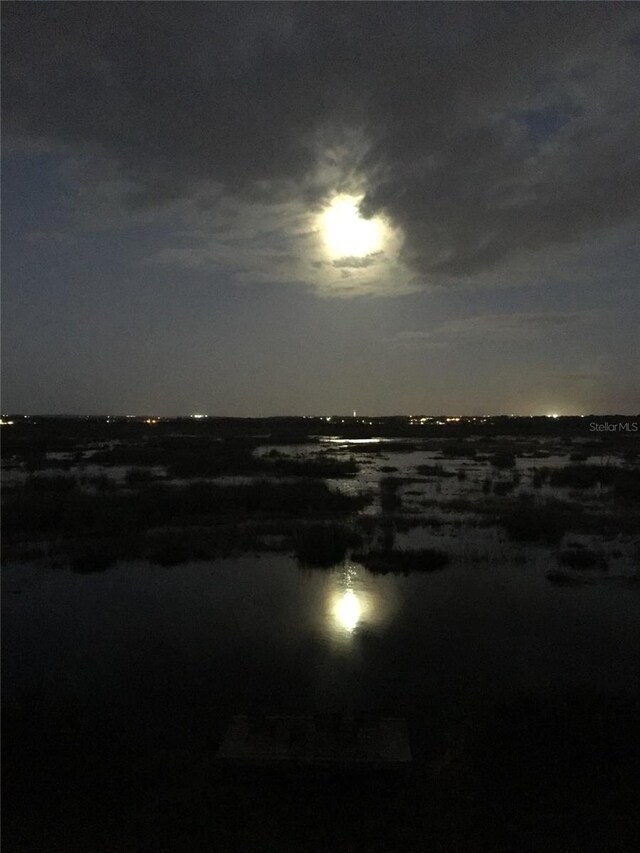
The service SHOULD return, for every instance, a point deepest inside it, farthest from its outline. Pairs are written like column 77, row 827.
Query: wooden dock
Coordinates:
column 320, row 740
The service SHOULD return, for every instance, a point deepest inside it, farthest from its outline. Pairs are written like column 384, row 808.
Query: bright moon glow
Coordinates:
column 346, row 233
column 348, row 611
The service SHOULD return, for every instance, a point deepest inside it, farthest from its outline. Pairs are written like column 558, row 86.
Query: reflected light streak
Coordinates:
column 348, row 610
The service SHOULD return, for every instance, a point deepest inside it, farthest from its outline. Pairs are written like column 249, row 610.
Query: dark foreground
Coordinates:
column 485, row 576
column 535, row 776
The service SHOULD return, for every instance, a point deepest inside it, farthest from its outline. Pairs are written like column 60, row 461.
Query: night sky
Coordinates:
column 311, row 208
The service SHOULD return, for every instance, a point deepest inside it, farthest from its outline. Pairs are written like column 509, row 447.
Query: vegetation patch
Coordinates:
column 318, row 467
column 582, row 558
column 503, row 460
column 503, row 487
column 200, row 520
column 323, row 545
column 390, row 500
column 140, row 475
column 564, row 578
column 581, row 476
column 458, row 450
column 401, row 560
column 530, row 522
column 624, row 482
column 433, row 471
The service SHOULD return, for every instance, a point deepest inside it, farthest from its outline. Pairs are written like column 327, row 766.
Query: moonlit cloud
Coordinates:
column 167, row 168
column 505, row 130
column 495, row 327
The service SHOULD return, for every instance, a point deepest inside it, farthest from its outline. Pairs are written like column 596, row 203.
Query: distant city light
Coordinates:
column 5, row 423
column 198, row 417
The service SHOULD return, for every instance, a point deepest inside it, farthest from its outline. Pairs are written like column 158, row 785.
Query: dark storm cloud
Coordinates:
column 482, row 129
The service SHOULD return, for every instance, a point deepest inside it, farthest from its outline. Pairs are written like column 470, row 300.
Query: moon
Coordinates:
column 346, row 233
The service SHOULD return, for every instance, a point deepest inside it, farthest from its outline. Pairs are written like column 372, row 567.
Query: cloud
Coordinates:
column 488, row 135
column 356, row 263
column 415, row 341
column 516, row 326
column 277, row 244
column 492, row 327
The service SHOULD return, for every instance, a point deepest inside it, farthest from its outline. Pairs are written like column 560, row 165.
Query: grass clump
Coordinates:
column 433, row 471
column 139, row 475
column 390, row 500
column 320, row 467
column 401, row 560
column 458, row 450
column 527, row 521
column 626, row 487
column 503, row 459
column 582, row 558
column 323, row 545
column 49, row 484
column 624, row 482
column 156, row 505
column 580, row 476
column 168, row 549
column 91, row 555
column 503, row 487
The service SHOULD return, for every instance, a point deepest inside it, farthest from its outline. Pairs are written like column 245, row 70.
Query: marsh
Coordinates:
column 142, row 610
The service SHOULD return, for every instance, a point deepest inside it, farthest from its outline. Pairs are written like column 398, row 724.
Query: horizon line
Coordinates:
column 414, row 416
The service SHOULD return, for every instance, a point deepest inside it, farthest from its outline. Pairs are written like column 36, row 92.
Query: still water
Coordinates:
column 161, row 646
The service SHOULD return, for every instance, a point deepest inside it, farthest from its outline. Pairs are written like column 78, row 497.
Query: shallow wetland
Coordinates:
column 160, row 578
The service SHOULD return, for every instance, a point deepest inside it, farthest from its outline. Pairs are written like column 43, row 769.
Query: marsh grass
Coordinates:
column 458, row 450
column 503, row 487
column 623, row 483
column 526, row 521
column 503, row 459
column 433, row 471
column 401, row 560
column 390, row 500
column 91, row 530
column 317, row 467
column 324, row 545
column 49, row 484
column 140, row 475
column 86, row 556
column 583, row 558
